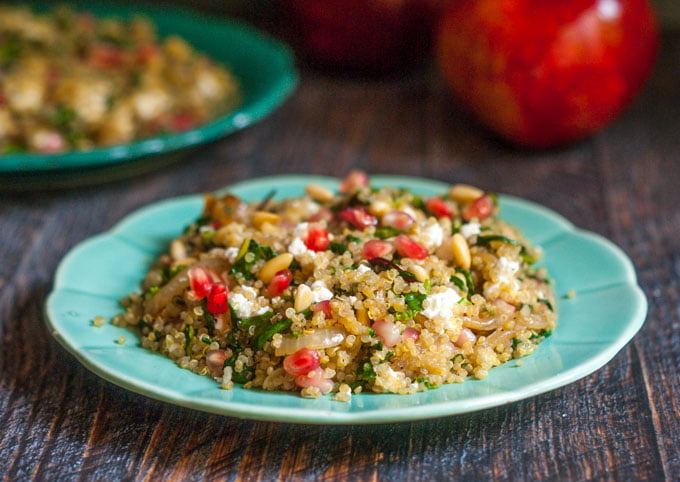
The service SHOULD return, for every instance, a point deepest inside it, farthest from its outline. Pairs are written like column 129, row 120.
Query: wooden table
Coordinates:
column 60, row 422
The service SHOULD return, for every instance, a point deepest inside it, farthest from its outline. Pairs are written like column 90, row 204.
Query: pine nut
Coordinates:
column 303, row 298
column 464, row 193
column 379, row 208
column 319, row 193
column 419, row 272
column 461, row 251
column 178, row 251
column 273, row 266
column 261, row 217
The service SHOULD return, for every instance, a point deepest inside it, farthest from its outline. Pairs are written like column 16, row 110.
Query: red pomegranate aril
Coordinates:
column 215, row 359
column 408, row 248
column 217, row 299
column 358, row 217
column 183, row 121
column 410, row 333
column 481, row 208
column 376, row 248
column 387, row 331
column 301, row 362
column 354, row 181
column 438, row 207
column 465, row 336
column 316, row 379
column 280, row 282
column 324, row 306
column 323, row 214
column 317, row 238
column 200, row 280
column 400, row 220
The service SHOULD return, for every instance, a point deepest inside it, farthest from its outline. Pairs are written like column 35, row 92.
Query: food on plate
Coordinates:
column 542, row 73
column 72, row 81
column 364, row 289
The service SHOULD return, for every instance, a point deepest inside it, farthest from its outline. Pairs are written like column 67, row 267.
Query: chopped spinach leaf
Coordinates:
column 277, row 327
column 209, row 318
column 384, row 232
column 244, row 263
column 546, row 303
column 353, row 239
column 468, row 281
column 462, row 357
column 337, row 248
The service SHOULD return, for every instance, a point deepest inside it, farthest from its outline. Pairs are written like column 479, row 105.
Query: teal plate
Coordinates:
column 607, row 311
column 264, row 67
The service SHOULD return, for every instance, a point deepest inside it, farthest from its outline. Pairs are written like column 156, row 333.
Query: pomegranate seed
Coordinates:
column 317, row 238
column 410, row 333
column 387, row 332
column 215, row 359
column 316, row 379
column 301, row 362
column 106, row 57
column 51, row 143
column 200, row 280
column 481, row 208
column 354, row 180
column 358, row 217
column 146, row 52
column 398, row 219
column 183, row 121
column 217, row 299
column 324, row 306
column 465, row 336
column 438, row 207
column 408, row 248
column 376, row 248
column 323, row 214
column 280, row 282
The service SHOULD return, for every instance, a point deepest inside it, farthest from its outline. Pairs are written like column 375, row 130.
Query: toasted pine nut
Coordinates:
column 464, row 193
column 303, row 298
column 379, row 208
column 319, row 193
column 177, row 250
column 419, row 272
column 461, row 251
column 273, row 266
column 261, row 217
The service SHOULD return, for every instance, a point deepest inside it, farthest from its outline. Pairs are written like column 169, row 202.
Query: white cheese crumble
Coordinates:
column 470, row 229
column 320, row 292
column 297, row 247
column 439, row 307
column 231, row 253
column 362, row 268
column 432, row 235
column 300, row 229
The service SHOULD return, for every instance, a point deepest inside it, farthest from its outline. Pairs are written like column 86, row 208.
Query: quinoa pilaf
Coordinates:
column 362, row 290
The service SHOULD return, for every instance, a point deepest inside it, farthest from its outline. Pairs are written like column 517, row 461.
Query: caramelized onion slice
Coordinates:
column 321, row 338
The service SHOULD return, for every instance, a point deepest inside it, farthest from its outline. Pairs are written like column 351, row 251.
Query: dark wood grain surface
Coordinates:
column 58, row 421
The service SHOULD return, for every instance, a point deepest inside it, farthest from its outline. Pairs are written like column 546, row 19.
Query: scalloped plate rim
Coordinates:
column 305, row 415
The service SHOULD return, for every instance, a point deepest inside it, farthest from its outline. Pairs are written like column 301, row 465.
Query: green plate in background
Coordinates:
column 607, row 311
column 264, row 67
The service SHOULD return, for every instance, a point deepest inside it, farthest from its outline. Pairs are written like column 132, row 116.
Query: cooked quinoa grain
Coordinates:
column 366, row 290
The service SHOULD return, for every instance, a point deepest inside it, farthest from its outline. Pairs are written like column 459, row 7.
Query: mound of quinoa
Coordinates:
column 364, row 289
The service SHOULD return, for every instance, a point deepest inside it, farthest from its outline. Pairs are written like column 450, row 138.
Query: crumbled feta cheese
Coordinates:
column 300, row 229
column 297, row 247
column 231, row 253
column 504, row 279
column 439, row 307
column 507, row 269
column 241, row 305
column 470, row 229
column 362, row 268
column 432, row 235
column 249, row 292
column 320, row 292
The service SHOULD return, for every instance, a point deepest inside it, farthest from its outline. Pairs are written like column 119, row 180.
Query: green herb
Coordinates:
column 468, row 281
column 462, row 357
column 388, row 355
column 427, row 285
column 408, row 276
column 170, row 272
column 13, row 148
column 384, row 232
column 350, row 268
column 414, row 300
column 208, row 233
column 153, row 290
column 277, row 327
column 371, row 332
column 547, row 303
column 515, row 342
column 545, row 333
column 378, row 346
column 64, row 118
column 337, row 248
column 366, row 371
column 418, row 203
column 244, row 264
column 178, row 300
column 239, row 377
column 428, row 384
column 10, row 49
column 209, row 318
column 189, row 333
column 460, row 284
column 206, row 340
column 486, row 241
column 456, row 225
column 352, row 239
